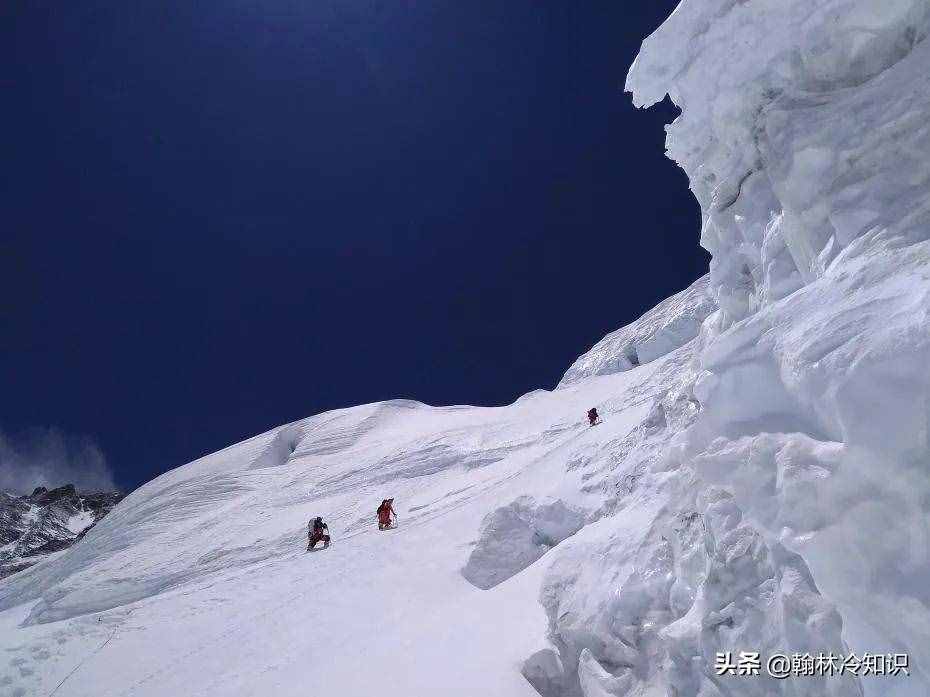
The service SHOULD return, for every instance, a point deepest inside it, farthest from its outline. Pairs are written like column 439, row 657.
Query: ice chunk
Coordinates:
column 514, row 536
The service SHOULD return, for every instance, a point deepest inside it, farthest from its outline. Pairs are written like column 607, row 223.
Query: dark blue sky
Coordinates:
column 219, row 216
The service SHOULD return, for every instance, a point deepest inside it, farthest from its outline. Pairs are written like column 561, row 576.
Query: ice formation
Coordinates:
column 668, row 326
column 804, row 133
column 759, row 482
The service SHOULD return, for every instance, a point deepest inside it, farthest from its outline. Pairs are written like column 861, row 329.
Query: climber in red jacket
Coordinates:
column 385, row 511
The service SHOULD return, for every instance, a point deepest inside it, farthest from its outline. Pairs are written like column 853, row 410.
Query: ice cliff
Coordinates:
column 805, row 134
column 759, row 482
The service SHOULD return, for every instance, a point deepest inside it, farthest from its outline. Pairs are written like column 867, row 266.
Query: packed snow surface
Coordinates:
column 202, row 580
column 759, row 482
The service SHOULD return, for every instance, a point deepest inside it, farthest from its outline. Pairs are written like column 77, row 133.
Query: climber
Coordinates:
column 385, row 510
column 317, row 531
column 592, row 416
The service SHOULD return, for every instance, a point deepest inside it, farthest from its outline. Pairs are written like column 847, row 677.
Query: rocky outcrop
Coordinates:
column 47, row 521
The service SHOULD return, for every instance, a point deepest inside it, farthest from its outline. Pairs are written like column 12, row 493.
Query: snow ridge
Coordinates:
column 668, row 326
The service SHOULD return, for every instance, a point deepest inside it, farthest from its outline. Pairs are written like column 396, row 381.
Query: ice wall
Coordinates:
column 805, row 134
column 802, row 129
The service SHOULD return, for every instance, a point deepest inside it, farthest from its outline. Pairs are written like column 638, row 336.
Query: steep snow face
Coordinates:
column 671, row 324
column 198, row 583
column 805, row 134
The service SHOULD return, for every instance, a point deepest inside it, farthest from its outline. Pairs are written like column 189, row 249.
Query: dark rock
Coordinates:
column 47, row 521
column 46, row 497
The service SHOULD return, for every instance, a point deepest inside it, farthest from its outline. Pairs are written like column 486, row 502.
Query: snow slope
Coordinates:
column 535, row 555
column 759, row 483
column 203, row 577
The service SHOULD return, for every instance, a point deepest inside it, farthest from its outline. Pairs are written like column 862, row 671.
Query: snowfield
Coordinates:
column 759, row 483
column 202, row 583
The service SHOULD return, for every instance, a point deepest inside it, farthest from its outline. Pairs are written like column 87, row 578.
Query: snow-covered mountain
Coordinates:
column 45, row 522
column 671, row 324
column 759, row 482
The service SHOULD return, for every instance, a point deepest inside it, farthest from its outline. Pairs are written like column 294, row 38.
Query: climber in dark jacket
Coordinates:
column 317, row 531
